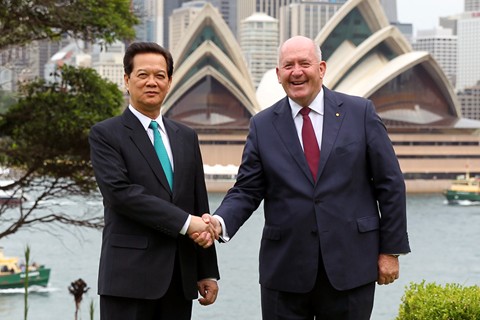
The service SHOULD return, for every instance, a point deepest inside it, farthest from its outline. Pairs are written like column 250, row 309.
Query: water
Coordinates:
column 444, row 241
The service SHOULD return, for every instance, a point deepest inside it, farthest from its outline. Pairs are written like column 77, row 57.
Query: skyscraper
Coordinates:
column 468, row 68
column 442, row 45
column 306, row 17
column 245, row 8
column 259, row 42
column 180, row 20
column 472, row 5
column 153, row 16
column 228, row 10
column 390, row 8
column 108, row 62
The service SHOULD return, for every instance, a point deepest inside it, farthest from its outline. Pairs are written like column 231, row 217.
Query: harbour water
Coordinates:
column 444, row 241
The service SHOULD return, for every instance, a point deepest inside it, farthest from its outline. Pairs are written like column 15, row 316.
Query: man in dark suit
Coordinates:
column 149, row 267
column 333, row 192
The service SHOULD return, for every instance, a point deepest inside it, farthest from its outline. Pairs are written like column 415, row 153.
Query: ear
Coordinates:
column 126, row 81
column 323, row 68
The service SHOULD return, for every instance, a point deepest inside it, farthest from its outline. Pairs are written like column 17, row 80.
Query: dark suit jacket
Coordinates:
column 142, row 216
column 338, row 215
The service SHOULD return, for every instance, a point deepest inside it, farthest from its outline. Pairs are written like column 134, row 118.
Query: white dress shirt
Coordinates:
column 146, row 124
column 316, row 116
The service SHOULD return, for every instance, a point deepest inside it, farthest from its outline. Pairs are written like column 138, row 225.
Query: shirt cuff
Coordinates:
column 224, row 236
column 184, row 229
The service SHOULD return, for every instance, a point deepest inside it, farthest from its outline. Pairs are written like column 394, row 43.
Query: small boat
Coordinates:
column 465, row 190
column 12, row 275
column 7, row 197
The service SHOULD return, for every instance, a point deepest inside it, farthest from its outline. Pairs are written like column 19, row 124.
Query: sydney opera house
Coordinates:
column 213, row 92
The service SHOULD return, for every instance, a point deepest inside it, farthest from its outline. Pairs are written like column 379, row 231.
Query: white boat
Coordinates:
column 7, row 197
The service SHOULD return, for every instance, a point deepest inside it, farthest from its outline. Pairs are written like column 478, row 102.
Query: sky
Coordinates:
column 424, row 14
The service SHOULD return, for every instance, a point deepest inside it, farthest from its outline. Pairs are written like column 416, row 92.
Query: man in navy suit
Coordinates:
column 334, row 196
column 149, row 267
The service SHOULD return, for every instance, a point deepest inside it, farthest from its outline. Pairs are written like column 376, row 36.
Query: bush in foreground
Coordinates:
column 430, row 301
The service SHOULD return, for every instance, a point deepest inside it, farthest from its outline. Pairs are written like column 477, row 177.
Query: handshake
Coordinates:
column 204, row 230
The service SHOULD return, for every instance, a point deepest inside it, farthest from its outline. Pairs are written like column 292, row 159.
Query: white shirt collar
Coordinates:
column 317, row 105
column 146, row 120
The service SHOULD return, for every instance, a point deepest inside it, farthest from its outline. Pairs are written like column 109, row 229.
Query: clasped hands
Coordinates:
column 204, row 230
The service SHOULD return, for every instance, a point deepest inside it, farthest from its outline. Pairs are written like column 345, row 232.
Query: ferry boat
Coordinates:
column 464, row 190
column 6, row 197
column 12, row 275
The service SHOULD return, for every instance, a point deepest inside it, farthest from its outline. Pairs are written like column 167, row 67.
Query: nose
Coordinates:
column 151, row 81
column 297, row 71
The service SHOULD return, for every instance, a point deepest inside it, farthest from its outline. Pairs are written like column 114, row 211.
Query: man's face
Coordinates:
column 148, row 83
column 299, row 71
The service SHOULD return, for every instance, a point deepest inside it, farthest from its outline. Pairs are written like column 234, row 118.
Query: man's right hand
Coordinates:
column 207, row 237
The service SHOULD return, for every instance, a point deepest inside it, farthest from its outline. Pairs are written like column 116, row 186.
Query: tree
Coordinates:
column 6, row 100
column 44, row 136
column 23, row 21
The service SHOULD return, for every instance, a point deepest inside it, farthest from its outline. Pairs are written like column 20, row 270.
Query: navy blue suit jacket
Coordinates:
column 143, row 216
column 355, row 210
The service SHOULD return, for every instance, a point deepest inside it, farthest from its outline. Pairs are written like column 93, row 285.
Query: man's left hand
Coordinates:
column 208, row 289
column 388, row 268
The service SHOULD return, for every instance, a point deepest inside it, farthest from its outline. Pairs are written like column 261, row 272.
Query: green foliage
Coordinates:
column 22, row 21
column 46, row 132
column 91, row 310
column 6, row 100
column 427, row 301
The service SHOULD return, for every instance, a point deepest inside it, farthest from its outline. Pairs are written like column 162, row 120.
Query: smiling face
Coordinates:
column 148, row 83
column 300, row 70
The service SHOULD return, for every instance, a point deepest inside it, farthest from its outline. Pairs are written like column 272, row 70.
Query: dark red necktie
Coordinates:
column 310, row 144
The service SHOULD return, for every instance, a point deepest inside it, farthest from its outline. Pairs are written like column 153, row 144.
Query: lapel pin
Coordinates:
column 337, row 114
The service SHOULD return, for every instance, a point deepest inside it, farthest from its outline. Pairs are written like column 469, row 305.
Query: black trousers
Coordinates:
column 322, row 303
column 173, row 305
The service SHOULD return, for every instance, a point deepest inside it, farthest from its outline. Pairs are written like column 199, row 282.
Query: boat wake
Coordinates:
column 464, row 203
column 32, row 289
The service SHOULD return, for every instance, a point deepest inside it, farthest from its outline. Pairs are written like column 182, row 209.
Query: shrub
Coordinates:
column 429, row 301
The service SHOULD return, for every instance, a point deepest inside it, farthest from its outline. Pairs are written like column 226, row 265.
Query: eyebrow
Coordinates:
column 154, row 71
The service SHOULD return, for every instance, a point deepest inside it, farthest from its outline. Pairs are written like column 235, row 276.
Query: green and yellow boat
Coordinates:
column 12, row 275
column 464, row 191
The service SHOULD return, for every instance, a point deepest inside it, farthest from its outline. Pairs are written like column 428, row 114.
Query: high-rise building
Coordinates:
column 259, row 42
column 470, row 101
column 18, row 64
column 442, row 45
column 272, row 7
column 153, row 16
column 246, row 8
column 228, row 10
column 108, row 62
column 306, row 17
column 468, row 68
column 449, row 22
column 180, row 20
column 390, row 8
column 472, row 5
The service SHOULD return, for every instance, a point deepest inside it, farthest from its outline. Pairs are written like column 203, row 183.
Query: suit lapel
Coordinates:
column 332, row 121
column 144, row 145
column 285, row 127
